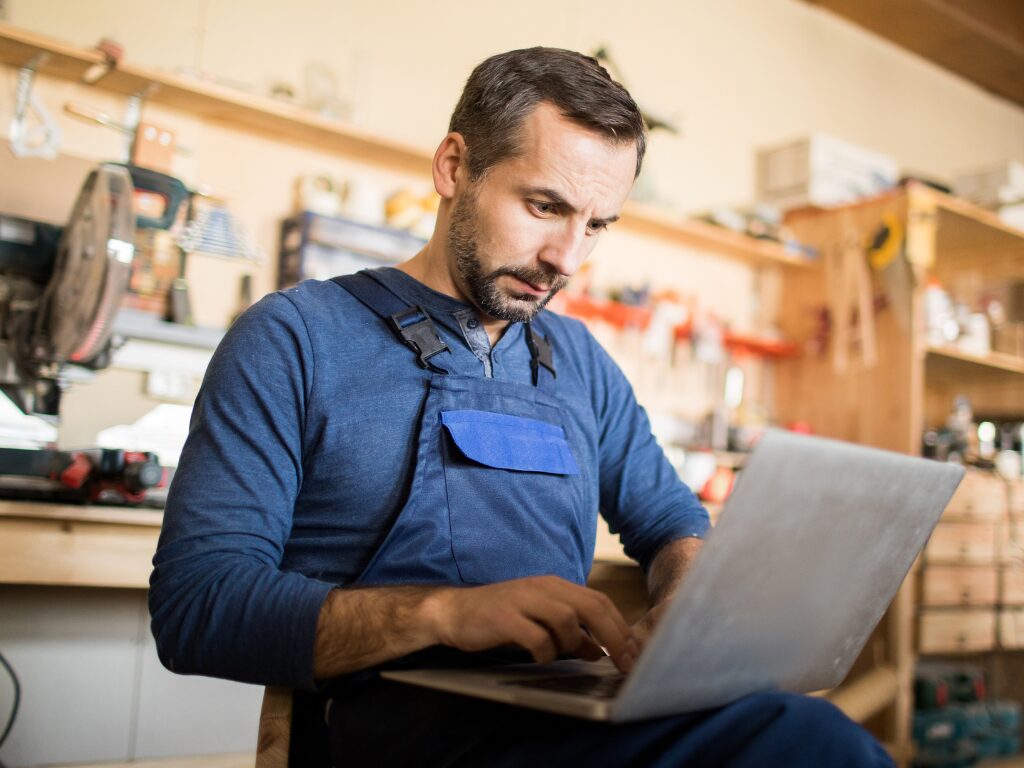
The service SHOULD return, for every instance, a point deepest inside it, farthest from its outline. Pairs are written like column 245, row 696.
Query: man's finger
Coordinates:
column 535, row 638
column 591, row 603
column 600, row 616
column 589, row 650
column 561, row 620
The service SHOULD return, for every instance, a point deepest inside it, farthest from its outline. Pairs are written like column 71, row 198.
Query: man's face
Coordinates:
column 518, row 234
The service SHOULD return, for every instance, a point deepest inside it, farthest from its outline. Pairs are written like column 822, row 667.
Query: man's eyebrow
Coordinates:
column 556, row 197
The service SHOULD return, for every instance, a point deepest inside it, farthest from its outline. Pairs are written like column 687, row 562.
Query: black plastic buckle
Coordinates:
column 421, row 336
column 540, row 354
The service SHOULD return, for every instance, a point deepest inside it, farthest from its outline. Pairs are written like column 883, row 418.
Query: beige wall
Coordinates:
column 736, row 74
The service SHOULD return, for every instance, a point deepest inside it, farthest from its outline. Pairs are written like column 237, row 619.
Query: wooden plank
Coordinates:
column 704, row 236
column 903, row 657
column 37, row 510
column 953, row 362
column 75, row 553
column 866, row 695
column 979, row 40
column 18, row 47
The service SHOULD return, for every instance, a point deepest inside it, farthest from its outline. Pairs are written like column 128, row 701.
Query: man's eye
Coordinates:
column 541, row 207
column 597, row 226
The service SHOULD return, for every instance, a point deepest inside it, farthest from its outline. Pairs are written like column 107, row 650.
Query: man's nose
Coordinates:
column 564, row 248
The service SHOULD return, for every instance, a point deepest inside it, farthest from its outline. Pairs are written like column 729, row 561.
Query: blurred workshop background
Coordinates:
column 828, row 236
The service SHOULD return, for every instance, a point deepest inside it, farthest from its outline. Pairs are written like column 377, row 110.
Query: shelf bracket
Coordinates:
column 39, row 140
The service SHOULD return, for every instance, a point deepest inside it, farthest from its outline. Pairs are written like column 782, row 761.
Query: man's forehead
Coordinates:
column 546, row 122
column 559, row 154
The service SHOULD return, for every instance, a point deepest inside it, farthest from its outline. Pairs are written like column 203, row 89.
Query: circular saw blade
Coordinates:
column 92, row 270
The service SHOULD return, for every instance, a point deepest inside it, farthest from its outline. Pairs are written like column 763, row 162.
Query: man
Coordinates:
column 383, row 465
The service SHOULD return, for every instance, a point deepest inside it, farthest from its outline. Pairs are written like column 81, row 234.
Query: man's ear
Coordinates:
column 449, row 163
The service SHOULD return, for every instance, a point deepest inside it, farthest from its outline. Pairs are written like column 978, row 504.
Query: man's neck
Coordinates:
column 430, row 267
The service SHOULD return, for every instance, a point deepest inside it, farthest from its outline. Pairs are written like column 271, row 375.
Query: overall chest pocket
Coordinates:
column 511, row 484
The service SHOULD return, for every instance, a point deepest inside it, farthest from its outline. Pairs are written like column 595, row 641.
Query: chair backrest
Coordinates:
column 275, row 729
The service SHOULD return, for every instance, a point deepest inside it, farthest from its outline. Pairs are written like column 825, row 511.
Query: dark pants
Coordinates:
column 383, row 723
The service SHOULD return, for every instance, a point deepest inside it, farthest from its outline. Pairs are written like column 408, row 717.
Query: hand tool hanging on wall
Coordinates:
column 42, row 139
column 888, row 257
column 851, row 303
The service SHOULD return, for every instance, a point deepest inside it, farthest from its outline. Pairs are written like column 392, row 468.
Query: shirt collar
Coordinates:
column 445, row 310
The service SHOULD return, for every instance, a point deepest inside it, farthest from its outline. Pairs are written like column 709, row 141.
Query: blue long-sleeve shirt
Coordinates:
column 300, row 455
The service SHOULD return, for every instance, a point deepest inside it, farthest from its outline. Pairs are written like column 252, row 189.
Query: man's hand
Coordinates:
column 667, row 570
column 546, row 615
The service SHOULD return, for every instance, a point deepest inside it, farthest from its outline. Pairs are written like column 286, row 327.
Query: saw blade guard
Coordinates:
column 92, row 270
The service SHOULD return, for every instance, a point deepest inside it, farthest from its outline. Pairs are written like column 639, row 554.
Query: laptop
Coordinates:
column 809, row 551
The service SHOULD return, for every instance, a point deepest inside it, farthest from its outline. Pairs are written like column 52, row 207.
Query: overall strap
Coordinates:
column 411, row 324
column 542, row 363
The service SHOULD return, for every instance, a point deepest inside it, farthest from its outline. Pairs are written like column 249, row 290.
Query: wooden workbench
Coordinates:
column 76, row 545
column 71, row 545
column 92, row 546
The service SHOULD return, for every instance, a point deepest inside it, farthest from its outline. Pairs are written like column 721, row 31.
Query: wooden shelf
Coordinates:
column 969, row 237
column 955, row 362
column 229, row 106
column 288, row 122
column 698, row 234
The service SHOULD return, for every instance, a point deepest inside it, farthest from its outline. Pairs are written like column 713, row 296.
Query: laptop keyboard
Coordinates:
column 598, row 686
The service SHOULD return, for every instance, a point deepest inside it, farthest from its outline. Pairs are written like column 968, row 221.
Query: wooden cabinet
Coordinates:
column 1011, row 585
column 869, row 375
column 959, row 631
column 980, row 496
column 962, row 542
column 1011, row 629
column 953, row 585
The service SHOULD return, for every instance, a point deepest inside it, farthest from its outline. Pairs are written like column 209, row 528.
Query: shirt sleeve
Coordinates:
column 219, row 603
column 641, row 495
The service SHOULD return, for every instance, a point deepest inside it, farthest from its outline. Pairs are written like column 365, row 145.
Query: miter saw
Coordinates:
column 60, row 291
column 61, row 287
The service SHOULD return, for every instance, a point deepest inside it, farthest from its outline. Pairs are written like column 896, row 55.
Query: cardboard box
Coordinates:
column 822, row 171
column 992, row 187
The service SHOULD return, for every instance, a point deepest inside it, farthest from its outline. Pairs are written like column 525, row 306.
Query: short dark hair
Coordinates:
column 503, row 90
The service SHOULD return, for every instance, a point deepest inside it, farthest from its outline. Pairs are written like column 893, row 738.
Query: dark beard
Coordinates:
column 483, row 289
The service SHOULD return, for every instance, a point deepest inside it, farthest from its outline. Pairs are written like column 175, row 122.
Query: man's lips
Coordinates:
column 529, row 287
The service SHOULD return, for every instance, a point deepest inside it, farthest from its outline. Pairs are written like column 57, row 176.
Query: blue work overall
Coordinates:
column 497, row 492
column 504, row 488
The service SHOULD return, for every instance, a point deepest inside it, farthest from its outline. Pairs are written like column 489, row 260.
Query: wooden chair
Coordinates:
column 274, row 738
column 624, row 584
